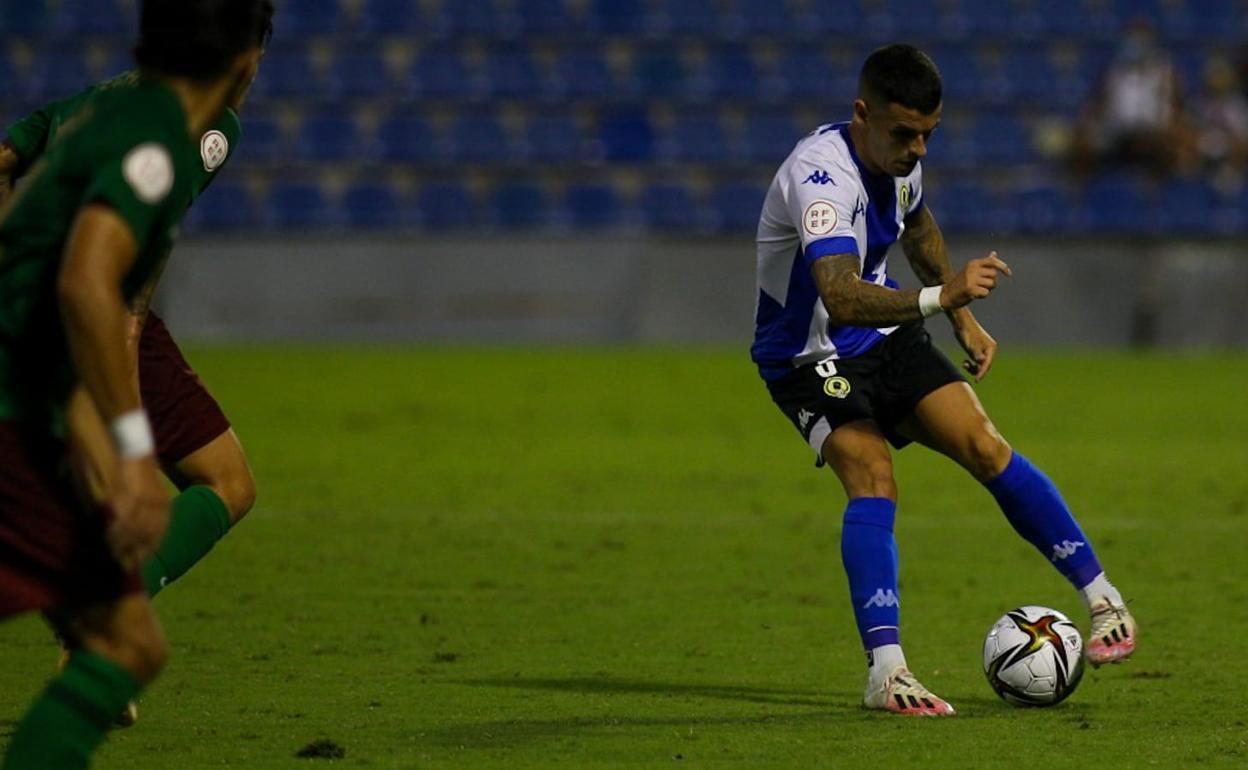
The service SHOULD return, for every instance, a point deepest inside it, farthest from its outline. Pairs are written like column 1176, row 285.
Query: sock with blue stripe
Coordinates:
column 869, row 553
column 1037, row 511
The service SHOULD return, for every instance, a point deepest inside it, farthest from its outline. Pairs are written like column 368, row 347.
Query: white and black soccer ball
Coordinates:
column 1033, row 656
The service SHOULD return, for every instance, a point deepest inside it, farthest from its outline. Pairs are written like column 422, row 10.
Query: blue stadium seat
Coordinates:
column 10, row 86
column 328, row 139
column 475, row 18
column 1188, row 206
column 520, row 205
column 1031, row 76
column 1116, row 203
column 1000, row 138
column 1041, row 209
column 314, row 17
column 960, row 206
column 763, row 19
column 592, row 206
column 770, row 138
column 359, row 73
column 692, row 18
column 669, row 207
column 371, row 205
column 447, row 206
column 392, row 17
column 544, row 18
column 912, row 19
column 299, row 205
column 94, row 18
column 659, row 73
column 583, row 73
column 439, row 73
column 261, row 141
column 286, row 72
column 732, row 74
column 737, row 205
column 512, row 74
column 553, row 139
column 480, row 139
column 223, row 206
column 408, row 139
column 618, row 18
column 809, row 73
column 697, row 138
column 58, row 73
column 24, row 18
column 626, row 136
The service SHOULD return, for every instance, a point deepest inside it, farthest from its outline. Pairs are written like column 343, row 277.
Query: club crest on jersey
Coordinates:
column 213, row 148
column 820, row 177
column 836, row 387
column 903, row 197
column 819, row 218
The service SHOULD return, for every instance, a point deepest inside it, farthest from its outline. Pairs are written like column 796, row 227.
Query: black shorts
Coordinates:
column 884, row 384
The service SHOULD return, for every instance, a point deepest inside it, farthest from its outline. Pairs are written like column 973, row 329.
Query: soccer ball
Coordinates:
column 1033, row 656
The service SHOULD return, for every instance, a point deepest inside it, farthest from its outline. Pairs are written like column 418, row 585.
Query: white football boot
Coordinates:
column 1113, row 633
column 901, row 693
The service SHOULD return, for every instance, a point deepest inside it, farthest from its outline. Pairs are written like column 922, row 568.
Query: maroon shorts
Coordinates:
column 53, row 554
column 185, row 417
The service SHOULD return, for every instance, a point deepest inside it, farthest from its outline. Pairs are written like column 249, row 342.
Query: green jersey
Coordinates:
column 32, row 135
column 125, row 147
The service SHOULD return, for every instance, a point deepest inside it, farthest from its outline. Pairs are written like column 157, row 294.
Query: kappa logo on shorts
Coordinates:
column 803, row 418
column 836, row 387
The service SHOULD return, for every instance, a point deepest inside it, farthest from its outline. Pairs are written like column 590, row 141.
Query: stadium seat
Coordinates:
column 224, row 206
column 481, row 139
column 543, row 18
column 328, row 139
column 314, row 17
column 626, row 136
column 1117, row 203
column 359, row 73
column 618, row 18
column 770, row 138
column 737, row 206
column 94, row 18
column 1001, row 139
column 659, row 73
column 408, row 139
column 553, row 140
column 371, row 205
column 669, row 207
column 512, row 74
column 520, row 205
column 477, row 18
column 392, row 17
column 592, row 206
column 583, row 73
column 1188, row 206
column 692, row 18
column 447, row 206
column 960, row 206
column 1041, row 209
column 697, row 138
column 755, row 19
column 24, row 18
column 439, row 73
column 287, row 72
column 732, row 75
column 260, row 143
column 299, row 205
column 58, row 73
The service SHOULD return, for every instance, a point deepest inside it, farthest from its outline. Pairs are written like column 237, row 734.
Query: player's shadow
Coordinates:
column 817, row 706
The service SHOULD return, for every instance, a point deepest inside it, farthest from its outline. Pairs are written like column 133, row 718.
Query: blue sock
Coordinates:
column 869, row 554
column 1037, row 512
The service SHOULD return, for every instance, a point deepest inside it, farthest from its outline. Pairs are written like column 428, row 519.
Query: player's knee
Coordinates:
column 873, row 478
column 137, row 645
column 987, row 454
column 237, row 489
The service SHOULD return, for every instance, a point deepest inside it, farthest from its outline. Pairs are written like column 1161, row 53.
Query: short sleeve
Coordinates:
column 138, row 185
column 914, row 190
column 822, row 200
column 29, row 136
column 216, row 147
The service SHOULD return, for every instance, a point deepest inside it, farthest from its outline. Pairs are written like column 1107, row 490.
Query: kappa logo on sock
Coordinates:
column 882, row 599
column 1066, row 549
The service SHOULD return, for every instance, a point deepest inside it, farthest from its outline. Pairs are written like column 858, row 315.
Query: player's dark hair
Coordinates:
column 199, row 39
column 900, row 74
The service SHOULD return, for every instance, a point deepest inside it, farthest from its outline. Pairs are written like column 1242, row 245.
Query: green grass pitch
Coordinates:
column 562, row 558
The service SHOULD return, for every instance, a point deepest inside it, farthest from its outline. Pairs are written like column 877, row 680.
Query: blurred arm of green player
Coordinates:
column 100, row 251
column 9, row 163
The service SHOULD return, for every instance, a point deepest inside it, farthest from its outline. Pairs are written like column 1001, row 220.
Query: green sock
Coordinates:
column 69, row 720
column 198, row 519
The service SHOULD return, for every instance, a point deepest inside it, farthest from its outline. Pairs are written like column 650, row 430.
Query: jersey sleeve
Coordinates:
column 138, row 184
column 30, row 135
column 216, row 147
column 821, row 200
column 915, row 190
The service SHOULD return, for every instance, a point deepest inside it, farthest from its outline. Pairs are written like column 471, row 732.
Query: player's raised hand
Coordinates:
column 976, row 281
column 140, row 503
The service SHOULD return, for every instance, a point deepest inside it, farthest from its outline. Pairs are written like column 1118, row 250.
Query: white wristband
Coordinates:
column 929, row 301
column 132, row 434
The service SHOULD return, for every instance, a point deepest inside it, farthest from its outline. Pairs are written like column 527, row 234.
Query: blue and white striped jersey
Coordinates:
column 823, row 201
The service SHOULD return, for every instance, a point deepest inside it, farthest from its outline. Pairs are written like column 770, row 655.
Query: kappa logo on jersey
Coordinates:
column 859, row 208
column 213, row 148
column 1066, row 549
column 836, row 387
column 820, row 177
column 803, row 418
column 819, row 218
column 882, row 599
column 148, row 170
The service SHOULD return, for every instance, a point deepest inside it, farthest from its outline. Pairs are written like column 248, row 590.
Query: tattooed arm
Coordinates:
column 850, row 301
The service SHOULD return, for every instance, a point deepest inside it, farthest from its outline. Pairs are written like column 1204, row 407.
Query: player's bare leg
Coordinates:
column 119, row 648
column 858, row 454
column 222, row 466
column 952, row 421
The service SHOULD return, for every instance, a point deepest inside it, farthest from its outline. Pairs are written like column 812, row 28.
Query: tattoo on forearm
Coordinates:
column 924, row 247
column 850, row 301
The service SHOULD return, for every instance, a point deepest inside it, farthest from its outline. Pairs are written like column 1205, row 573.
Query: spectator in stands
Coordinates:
column 1135, row 116
column 1220, row 125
